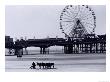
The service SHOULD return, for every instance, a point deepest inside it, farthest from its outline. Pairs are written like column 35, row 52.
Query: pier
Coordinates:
column 89, row 44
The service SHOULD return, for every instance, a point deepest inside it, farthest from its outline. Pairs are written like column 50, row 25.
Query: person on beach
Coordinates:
column 33, row 65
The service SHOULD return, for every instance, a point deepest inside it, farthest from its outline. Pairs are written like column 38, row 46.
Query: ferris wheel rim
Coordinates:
column 93, row 26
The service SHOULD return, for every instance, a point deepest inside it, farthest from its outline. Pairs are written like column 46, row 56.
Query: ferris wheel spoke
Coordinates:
column 78, row 12
column 86, row 16
column 72, row 31
column 89, row 27
column 67, row 21
column 69, row 27
column 89, row 31
column 68, row 16
column 87, row 19
column 82, row 13
column 71, row 34
column 73, row 13
column 73, row 9
column 88, row 23
column 85, row 32
column 65, row 24
column 68, row 12
column 89, row 16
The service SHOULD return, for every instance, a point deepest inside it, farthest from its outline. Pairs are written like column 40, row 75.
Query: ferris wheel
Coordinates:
column 76, row 21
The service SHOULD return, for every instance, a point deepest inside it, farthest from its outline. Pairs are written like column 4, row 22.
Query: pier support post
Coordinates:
column 65, row 49
column 19, row 52
column 40, row 50
column 68, row 49
column 44, row 50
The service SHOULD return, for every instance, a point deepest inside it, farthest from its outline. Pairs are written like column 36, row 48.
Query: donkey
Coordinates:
column 49, row 65
column 45, row 65
column 39, row 64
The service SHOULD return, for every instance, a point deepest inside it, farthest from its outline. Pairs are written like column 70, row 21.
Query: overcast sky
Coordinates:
column 42, row 21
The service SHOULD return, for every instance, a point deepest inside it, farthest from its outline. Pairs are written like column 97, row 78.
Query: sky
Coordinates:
column 42, row 21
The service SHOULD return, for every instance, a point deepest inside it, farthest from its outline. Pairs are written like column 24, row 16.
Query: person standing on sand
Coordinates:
column 34, row 65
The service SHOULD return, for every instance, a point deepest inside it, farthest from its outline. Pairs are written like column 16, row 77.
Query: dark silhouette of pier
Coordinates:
column 88, row 44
